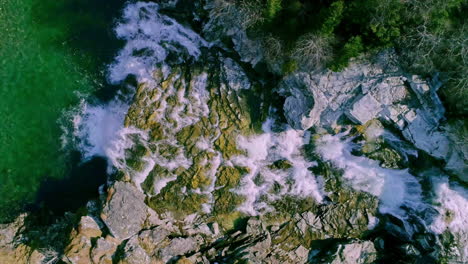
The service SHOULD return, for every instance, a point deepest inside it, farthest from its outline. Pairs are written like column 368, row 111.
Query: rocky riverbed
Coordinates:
column 213, row 162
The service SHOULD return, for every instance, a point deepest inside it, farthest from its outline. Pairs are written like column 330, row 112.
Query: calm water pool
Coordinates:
column 51, row 53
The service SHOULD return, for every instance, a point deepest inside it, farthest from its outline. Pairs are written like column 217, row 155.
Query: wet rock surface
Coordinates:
column 208, row 169
column 368, row 91
column 353, row 252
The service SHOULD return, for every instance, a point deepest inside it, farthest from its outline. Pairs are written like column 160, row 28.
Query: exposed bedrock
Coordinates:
column 367, row 91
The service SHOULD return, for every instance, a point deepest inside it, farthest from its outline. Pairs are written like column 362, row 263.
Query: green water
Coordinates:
column 47, row 54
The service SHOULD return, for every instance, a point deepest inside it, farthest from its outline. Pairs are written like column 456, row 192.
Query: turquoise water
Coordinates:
column 49, row 52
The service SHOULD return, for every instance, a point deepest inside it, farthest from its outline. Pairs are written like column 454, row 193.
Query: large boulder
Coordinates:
column 362, row 92
column 11, row 250
column 79, row 248
column 134, row 253
column 124, row 211
column 104, row 250
column 355, row 253
column 366, row 91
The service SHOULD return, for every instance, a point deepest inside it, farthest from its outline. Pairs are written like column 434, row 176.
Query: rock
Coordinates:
column 297, row 106
column 88, row 227
column 364, row 109
column 187, row 124
column 398, row 228
column 249, row 50
column 301, row 254
column 178, row 247
column 350, row 219
column 124, row 212
column 368, row 91
column 235, row 75
column 261, row 249
column 104, row 250
column 386, row 147
column 134, row 253
column 357, row 252
column 410, row 250
column 178, row 177
column 22, row 254
column 184, row 260
column 214, row 228
column 9, row 232
column 13, row 251
column 255, row 226
column 363, row 91
column 79, row 248
column 312, row 100
column 425, row 135
column 458, row 158
column 379, row 243
column 152, row 239
column 44, row 256
column 388, row 157
column 349, row 214
column 457, row 243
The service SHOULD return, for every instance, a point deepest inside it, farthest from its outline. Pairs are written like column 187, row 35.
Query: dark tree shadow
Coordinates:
column 86, row 31
column 85, row 26
column 57, row 196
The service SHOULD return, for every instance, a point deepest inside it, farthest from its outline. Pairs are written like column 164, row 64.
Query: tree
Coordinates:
column 351, row 49
column 332, row 17
column 273, row 7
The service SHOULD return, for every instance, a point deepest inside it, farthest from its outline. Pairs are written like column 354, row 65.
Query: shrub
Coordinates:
column 333, row 17
column 245, row 13
column 274, row 52
column 351, row 49
column 313, row 50
column 386, row 21
column 289, row 66
column 273, row 7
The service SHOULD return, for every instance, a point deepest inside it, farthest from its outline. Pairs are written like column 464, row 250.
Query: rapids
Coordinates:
column 177, row 123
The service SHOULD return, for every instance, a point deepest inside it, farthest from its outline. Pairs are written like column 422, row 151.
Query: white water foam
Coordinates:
column 262, row 151
column 215, row 163
column 452, row 204
column 191, row 105
column 98, row 126
column 452, row 200
column 149, row 38
column 395, row 188
column 97, row 130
